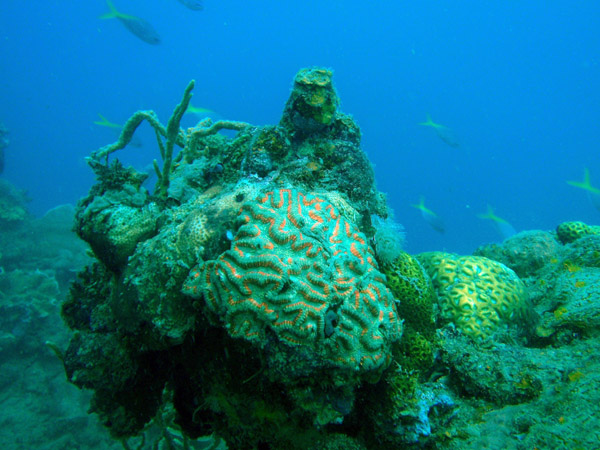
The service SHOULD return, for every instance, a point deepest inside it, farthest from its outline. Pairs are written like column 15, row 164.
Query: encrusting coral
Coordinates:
column 313, row 103
column 525, row 252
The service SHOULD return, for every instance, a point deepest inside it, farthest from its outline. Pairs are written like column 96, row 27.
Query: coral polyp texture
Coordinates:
column 568, row 232
column 299, row 269
column 475, row 293
column 411, row 285
column 526, row 252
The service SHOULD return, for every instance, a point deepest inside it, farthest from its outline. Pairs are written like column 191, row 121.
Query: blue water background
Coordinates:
column 518, row 82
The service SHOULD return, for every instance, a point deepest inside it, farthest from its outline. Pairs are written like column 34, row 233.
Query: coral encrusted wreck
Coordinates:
column 244, row 291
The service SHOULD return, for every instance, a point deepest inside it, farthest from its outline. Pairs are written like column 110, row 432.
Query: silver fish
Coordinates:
column 195, row 5
column 134, row 24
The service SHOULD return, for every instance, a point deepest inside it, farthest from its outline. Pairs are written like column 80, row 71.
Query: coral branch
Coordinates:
column 206, row 128
column 128, row 131
column 173, row 134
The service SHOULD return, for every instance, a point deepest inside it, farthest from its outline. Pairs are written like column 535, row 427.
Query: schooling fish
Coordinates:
column 135, row 25
column 196, row 5
column 432, row 219
column 592, row 191
column 504, row 228
column 444, row 133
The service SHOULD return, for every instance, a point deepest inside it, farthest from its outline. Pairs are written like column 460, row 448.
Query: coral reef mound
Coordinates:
column 243, row 293
column 241, row 301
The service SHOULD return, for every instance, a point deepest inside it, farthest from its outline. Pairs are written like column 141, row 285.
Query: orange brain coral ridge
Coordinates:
column 299, row 268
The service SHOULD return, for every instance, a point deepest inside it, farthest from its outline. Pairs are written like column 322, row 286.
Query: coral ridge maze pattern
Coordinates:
column 300, row 268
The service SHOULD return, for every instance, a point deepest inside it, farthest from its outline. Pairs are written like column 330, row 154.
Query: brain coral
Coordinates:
column 411, row 285
column 299, row 269
column 568, row 232
column 475, row 293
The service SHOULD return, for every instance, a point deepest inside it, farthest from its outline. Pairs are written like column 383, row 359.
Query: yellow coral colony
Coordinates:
column 475, row 293
column 568, row 232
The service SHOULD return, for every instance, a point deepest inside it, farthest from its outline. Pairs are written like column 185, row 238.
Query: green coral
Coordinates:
column 478, row 295
column 85, row 308
column 584, row 252
column 411, row 285
column 316, row 97
column 575, row 315
column 416, row 352
column 568, row 232
column 171, row 133
column 114, row 229
column 413, row 289
column 313, row 102
column 113, row 176
column 273, row 140
column 117, row 214
column 336, row 441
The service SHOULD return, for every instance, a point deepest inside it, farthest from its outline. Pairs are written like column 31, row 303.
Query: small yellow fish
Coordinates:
column 592, row 191
column 432, row 219
column 504, row 228
column 198, row 110
column 104, row 122
column 443, row 132
column 194, row 5
column 585, row 184
column 135, row 25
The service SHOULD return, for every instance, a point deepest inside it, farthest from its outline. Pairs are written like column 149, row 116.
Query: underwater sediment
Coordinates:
column 244, row 298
